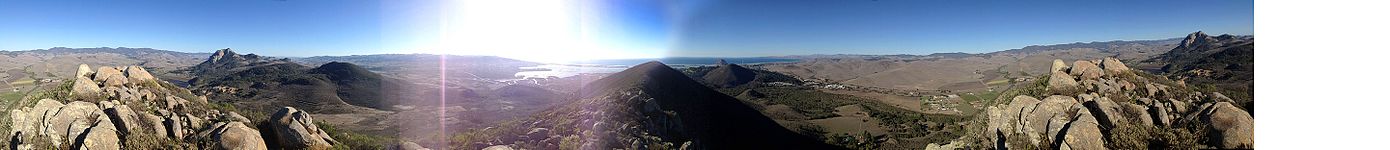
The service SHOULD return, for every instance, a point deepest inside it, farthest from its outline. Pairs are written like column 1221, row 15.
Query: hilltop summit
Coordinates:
column 730, row 75
column 656, row 106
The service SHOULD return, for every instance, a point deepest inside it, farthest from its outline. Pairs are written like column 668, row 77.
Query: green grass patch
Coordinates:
column 352, row 140
column 813, row 104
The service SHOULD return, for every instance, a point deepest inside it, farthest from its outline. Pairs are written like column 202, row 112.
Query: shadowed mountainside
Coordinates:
column 261, row 82
column 1224, row 63
column 654, row 106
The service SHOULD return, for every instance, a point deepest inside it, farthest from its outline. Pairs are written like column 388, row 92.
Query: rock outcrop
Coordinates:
column 1113, row 66
column 236, row 135
column 1086, row 70
column 137, row 115
column 296, row 130
column 1232, row 128
column 1086, row 114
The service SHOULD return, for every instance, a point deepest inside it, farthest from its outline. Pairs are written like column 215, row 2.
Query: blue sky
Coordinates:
column 604, row 28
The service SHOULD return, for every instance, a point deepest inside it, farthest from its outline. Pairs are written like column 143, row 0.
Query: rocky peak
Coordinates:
column 721, row 62
column 222, row 53
column 1196, row 39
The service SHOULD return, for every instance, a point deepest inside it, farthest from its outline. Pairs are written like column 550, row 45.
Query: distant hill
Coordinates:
column 262, row 82
column 959, row 72
column 729, row 75
column 655, row 106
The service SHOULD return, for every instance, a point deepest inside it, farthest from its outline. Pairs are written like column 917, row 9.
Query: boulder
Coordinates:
column 173, row 125
column 84, row 72
column 1112, row 65
column 26, row 124
column 1083, row 133
column 1085, row 69
column 1126, row 86
column 1061, row 82
column 83, row 87
column 138, row 75
column 296, row 130
column 101, row 135
column 1160, row 114
column 236, row 135
column 1058, row 66
column 1106, row 112
column 71, row 120
column 1231, row 127
column 125, row 119
column 154, row 123
column 1010, row 120
column 114, row 82
column 193, row 122
column 1180, row 107
column 107, row 72
column 1048, row 117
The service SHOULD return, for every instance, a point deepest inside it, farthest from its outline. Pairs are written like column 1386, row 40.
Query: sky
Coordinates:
column 566, row 30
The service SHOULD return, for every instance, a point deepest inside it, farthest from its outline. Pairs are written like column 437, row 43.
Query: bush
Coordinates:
column 353, row 140
column 1135, row 136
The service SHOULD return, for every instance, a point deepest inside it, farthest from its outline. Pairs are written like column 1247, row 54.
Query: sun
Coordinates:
column 548, row 31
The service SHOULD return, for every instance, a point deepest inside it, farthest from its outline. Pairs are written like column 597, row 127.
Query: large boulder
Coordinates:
column 1160, row 114
column 1107, row 113
column 26, row 124
column 296, row 130
column 71, row 120
column 1006, row 120
column 84, row 72
column 1061, row 82
column 174, row 126
column 154, row 123
column 101, row 135
column 1082, row 133
column 84, row 87
column 1112, row 65
column 236, row 135
column 1058, row 66
column 114, row 82
column 1231, row 127
column 107, row 72
column 1086, row 69
column 125, row 119
column 138, row 75
column 1048, row 117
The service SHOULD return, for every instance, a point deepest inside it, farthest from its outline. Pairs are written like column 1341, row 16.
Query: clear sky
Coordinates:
column 554, row 30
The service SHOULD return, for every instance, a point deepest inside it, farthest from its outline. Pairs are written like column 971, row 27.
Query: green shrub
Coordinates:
column 353, row 140
column 1135, row 136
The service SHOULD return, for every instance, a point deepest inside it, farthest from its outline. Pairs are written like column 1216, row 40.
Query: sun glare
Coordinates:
column 551, row 31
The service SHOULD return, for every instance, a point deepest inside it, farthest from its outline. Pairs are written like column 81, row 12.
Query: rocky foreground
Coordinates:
column 1102, row 104
column 127, row 108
